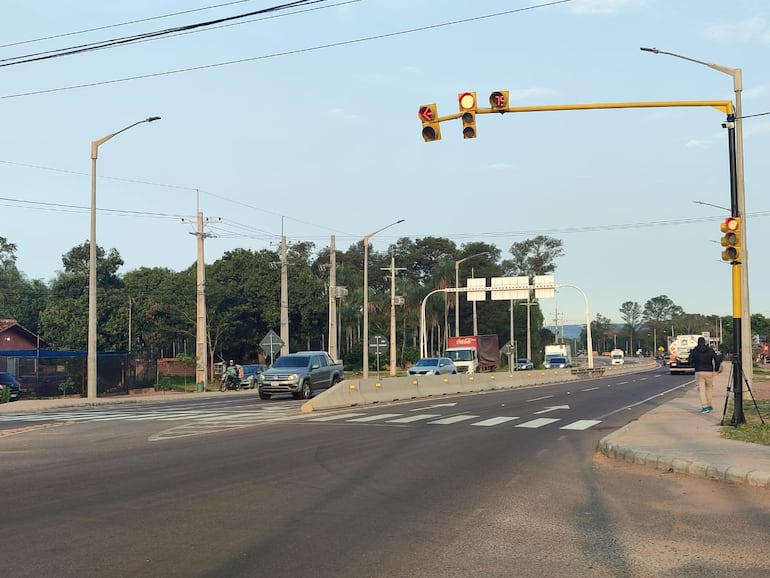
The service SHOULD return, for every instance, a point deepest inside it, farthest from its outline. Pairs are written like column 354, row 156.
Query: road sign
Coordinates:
column 507, row 349
column 271, row 343
column 378, row 344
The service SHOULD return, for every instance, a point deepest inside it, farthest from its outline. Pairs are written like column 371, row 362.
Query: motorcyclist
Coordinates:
column 230, row 379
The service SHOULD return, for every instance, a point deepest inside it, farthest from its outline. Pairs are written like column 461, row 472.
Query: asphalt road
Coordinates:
column 505, row 483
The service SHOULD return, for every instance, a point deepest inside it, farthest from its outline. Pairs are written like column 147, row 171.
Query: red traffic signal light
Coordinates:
column 430, row 124
column 468, row 105
column 498, row 100
column 731, row 240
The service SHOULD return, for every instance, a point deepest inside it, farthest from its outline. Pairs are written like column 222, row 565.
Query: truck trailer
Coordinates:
column 474, row 353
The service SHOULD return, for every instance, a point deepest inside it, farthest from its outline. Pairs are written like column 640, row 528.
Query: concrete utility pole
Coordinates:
column 392, row 269
column 284, row 299
column 333, row 300
column 201, row 326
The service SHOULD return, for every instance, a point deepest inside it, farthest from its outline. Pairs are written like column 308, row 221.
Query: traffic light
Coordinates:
column 731, row 240
column 467, row 102
column 498, row 100
column 430, row 125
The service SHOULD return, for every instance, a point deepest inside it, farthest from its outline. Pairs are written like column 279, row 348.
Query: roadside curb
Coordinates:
column 679, row 465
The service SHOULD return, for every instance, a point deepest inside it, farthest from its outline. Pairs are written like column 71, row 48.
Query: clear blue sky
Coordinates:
column 302, row 137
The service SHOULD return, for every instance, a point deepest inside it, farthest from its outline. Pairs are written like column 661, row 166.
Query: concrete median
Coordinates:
column 371, row 391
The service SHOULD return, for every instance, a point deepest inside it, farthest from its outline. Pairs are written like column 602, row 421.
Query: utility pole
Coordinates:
column 333, row 300
column 393, row 270
column 284, row 299
column 201, row 329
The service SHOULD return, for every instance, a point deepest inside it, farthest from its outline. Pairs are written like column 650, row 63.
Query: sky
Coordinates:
column 304, row 124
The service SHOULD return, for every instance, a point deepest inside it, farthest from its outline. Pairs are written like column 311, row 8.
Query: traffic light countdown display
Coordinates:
column 430, row 126
column 467, row 103
column 498, row 100
column 731, row 240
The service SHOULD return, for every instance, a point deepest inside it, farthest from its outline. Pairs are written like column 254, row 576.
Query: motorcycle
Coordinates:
column 230, row 382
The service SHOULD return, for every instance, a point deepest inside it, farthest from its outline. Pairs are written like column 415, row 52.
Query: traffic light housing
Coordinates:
column 468, row 106
column 431, row 130
column 498, row 100
column 731, row 240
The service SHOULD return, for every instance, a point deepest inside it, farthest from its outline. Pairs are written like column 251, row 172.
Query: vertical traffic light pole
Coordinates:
column 735, row 265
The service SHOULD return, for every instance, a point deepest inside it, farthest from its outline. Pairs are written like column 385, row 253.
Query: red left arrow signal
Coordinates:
column 425, row 114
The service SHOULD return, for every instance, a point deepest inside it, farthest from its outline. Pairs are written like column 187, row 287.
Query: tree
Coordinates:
column 631, row 313
column 536, row 256
column 658, row 313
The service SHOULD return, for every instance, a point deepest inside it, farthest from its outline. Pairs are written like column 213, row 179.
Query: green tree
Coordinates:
column 631, row 313
column 536, row 256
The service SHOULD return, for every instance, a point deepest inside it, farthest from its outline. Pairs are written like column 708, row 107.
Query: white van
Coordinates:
column 617, row 357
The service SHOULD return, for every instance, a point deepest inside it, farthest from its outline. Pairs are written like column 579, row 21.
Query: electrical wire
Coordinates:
column 288, row 52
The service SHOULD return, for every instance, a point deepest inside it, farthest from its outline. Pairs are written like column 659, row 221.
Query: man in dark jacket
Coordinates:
column 706, row 364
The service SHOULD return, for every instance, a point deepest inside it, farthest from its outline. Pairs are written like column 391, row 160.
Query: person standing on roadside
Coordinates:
column 706, row 364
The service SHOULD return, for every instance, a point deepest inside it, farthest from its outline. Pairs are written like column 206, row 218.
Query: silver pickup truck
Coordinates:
column 300, row 374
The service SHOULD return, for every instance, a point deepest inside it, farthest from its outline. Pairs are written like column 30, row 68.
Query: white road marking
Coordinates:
column 375, row 417
column 453, row 419
column 338, row 416
column 581, row 424
column 494, row 421
column 413, row 418
column 536, row 423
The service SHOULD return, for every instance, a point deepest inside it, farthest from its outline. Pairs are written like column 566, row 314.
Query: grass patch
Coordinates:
column 753, row 431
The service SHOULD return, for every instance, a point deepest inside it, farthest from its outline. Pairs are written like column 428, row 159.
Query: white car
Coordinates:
column 433, row 366
column 524, row 364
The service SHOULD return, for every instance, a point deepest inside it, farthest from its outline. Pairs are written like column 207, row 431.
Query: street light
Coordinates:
column 457, row 286
column 737, row 75
column 366, row 295
column 91, row 391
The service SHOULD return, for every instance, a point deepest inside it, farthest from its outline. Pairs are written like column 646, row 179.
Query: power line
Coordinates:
column 128, row 23
column 290, row 52
column 13, row 61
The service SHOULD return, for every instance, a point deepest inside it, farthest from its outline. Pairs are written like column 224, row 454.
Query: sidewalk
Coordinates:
column 676, row 437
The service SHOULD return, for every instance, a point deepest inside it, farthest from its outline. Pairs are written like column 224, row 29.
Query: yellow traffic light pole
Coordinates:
column 498, row 100
column 725, row 106
column 733, row 251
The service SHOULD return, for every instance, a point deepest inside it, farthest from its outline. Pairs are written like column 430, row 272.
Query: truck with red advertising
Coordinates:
column 474, row 353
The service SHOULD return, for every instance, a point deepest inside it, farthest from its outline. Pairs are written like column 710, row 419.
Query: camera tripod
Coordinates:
column 733, row 365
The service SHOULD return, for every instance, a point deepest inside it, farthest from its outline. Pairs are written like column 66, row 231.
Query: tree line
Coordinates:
column 153, row 310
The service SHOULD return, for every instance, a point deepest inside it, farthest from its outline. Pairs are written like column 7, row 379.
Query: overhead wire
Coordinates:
column 68, row 51
column 290, row 52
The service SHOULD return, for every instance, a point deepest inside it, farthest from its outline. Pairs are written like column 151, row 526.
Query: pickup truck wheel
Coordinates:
column 305, row 391
column 264, row 395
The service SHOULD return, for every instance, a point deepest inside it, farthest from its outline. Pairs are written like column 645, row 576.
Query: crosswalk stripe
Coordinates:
column 413, row 418
column 337, row 416
column 382, row 416
column 536, row 423
column 453, row 419
column 581, row 424
column 494, row 421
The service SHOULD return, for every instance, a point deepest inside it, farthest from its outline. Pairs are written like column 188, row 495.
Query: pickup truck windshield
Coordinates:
column 292, row 361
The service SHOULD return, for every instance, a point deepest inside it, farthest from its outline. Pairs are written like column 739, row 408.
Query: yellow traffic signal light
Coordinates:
column 731, row 240
column 498, row 100
column 430, row 125
column 467, row 102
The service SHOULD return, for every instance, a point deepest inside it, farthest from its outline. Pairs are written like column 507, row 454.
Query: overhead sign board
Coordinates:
column 477, row 283
column 509, row 288
column 544, row 287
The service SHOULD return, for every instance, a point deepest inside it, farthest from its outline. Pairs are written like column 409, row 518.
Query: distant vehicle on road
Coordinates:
column 301, row 374
column 524, row 364
column 617, row 357
column 250, row 374
column 8, row 381
column 558, row 363
column 433, row 366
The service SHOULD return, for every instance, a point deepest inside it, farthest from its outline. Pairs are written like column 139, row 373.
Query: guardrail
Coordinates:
column 588, row 371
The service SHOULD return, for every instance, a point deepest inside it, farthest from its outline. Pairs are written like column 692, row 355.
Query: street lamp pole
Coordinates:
column 365, row 347
column 91, row 360
column 737, row 76
column 457, row 286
